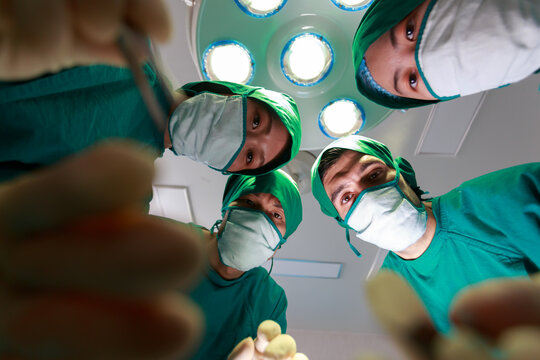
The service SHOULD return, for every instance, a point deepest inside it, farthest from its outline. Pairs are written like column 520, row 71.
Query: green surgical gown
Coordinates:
column 488, row 227
column 233, row 309
column 48, row 118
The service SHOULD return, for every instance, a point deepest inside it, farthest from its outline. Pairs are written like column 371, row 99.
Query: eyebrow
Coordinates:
column 345, row 184
column 337, row 191
column 271, row 122
column 396, row 81
column 262, row 160
column 393, row 37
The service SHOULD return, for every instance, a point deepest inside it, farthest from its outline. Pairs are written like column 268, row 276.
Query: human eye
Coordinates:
column 277, row 216
column 409, row 31
column 249, row 156
column 249, row 202
column 346, row 198
column 413, row 80
column 256, row 122
column 374, row 175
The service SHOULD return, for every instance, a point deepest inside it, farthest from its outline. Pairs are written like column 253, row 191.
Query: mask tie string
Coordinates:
column 271, row 267
column 355, row 251
column 215, row 226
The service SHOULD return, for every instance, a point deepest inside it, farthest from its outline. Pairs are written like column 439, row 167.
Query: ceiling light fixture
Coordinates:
column 260, row 8
column 341, row 117
column 228, row 60
column 352, row 5
column 307, row 59
column 313, row 77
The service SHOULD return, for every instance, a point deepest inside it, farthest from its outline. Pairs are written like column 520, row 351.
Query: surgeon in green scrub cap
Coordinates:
column 486, row 228
column 410, row 53
column 229, row 127
column 236, row 295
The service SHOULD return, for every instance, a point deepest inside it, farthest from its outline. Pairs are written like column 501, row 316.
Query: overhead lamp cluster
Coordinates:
column 228, row 60
column 306, row 60
column 260, row 8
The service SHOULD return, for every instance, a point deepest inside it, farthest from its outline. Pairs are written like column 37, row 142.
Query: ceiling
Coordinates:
column 505, row 132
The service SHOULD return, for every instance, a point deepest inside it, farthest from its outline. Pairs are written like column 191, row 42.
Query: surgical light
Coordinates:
column 352, row 5
column 260, row 8
column 341, row 117
column 307, row 59
column 228, row 60
column 303, row 51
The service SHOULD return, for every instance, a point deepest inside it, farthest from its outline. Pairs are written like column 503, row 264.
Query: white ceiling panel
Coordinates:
column 448, row 124
column 171, row 201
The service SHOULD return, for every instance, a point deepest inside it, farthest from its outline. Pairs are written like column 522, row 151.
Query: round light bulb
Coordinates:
column 228, row 61
column 260, row 8
column 307, row 59
column 341, row 117
column 352, row 5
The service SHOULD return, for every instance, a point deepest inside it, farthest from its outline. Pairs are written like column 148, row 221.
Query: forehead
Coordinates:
column 264, row 198
column 346, row 159
column 258, row 105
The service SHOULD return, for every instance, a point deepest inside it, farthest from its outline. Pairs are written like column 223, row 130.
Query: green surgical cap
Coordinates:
column 282, row 104
column 380, row 17
column 277, row 183
column 366, row 146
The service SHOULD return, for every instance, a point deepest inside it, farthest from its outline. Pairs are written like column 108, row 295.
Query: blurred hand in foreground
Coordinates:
column 84, row 272
column 40, row 36
column 496, row 319
column 269, row 344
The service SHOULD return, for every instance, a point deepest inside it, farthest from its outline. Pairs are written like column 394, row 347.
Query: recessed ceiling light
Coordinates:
column 307, row 59
column 260, row 8
column 352, row 5
column 228, row 60
column 341, row 117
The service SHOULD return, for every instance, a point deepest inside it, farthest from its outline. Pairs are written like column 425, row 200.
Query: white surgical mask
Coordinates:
column 248, row 239
column 468, row 46
column 209, row 128
column 383, row 216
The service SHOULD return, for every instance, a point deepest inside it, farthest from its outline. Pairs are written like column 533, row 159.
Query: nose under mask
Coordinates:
column 248, row 240
column 209, row 128
column 383, row 216
column 465, row 47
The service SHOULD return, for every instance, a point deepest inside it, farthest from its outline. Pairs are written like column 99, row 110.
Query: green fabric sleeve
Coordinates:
column 51, row 117
column 487, row 228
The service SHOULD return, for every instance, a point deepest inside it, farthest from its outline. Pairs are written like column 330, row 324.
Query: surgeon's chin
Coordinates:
column 229, row 273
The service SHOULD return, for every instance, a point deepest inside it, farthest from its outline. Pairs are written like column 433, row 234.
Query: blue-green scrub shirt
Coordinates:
column 488, row 227
column 233, row 309
column 48, row 118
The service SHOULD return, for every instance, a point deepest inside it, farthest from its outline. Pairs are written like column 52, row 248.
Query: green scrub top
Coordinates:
column 282, row 104
column 277, row 183
column 488, row 227
column 48, row 118
column 233, row 309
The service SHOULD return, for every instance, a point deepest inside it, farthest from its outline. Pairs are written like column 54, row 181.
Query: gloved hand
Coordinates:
column 500, row 316
column 269, row 344
column 40, row 36
column 84, row 273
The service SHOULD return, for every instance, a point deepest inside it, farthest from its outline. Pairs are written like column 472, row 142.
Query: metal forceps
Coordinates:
column 129, row 42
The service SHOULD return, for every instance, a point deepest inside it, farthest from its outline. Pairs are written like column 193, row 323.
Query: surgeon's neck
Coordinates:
column 226, row 272
column 179, row 97
column 418, row 248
